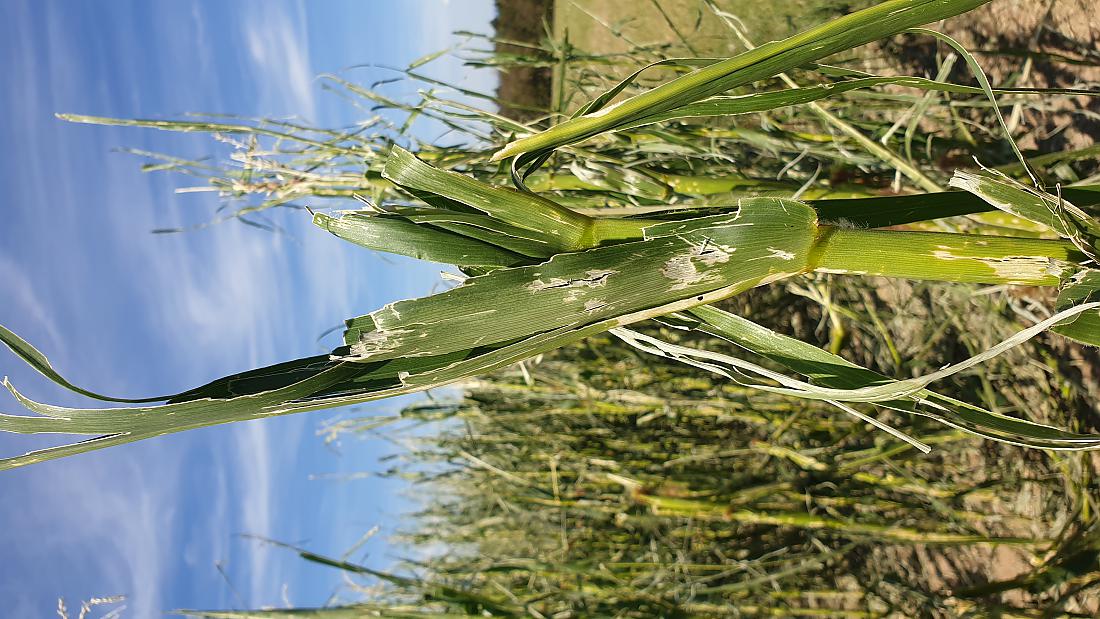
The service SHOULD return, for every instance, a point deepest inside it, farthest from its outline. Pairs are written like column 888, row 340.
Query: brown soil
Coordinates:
column 1068, row 30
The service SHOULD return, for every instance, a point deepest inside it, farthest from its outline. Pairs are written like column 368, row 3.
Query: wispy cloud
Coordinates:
column 97, row 508
column 278, row 45
column 254, row 468
column 22, row 295
column 178, row 308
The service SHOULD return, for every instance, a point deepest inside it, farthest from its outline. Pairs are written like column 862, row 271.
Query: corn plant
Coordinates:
column 544, row 271
column 597, row 482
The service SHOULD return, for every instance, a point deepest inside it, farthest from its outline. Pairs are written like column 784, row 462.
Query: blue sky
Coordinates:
column 130, row 313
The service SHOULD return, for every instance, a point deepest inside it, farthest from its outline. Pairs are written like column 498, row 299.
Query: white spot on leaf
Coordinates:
column 594, row 304
column 379, row 341
column 594, row 278
column 782, row 254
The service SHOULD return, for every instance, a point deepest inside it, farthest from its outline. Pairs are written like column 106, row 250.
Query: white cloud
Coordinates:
column 21, row 295
column 254, row 470
column 99, row 511
column 224, row 299
column 277, row 44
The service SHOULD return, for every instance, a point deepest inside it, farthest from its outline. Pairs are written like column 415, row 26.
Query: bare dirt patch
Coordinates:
column 1046, row 44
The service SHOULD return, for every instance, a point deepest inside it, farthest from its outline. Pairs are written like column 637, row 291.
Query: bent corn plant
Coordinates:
column 542, row 273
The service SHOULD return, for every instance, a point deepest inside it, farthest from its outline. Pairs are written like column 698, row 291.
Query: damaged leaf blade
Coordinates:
column 715, row 258
column 1082, row 288
column 833, row 371
column 397, row 235
column 1064, row 218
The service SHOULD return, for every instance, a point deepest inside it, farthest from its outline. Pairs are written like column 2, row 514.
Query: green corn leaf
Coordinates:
column 601, row 101
column 765, row 101
column 485, row 228
column 566, row 228
column 904, row 388
column 474, row 226
column 424, row 343
column 397, row 235
column 829, row 370
column 1066, row 219
column 881, row 20
column 629, row 181
column 1084, row 287
column 118, row 426
column 41, row 364
column 298, row 386
column 886, row 211
column 712, row 258
column 425, row 59
column 897, row 210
